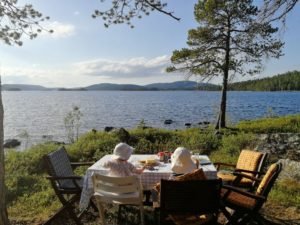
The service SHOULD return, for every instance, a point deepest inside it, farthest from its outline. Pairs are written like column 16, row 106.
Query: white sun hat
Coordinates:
column 181, row 161
column 123, row 151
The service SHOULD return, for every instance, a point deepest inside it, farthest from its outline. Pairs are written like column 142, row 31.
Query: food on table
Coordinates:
column 149, row 162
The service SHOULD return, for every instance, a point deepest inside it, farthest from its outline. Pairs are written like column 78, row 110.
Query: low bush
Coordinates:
column 286, row 192
column 202, row 141
column 284, row 124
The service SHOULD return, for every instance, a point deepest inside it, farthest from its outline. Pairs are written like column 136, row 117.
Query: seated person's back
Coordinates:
column 119, row 165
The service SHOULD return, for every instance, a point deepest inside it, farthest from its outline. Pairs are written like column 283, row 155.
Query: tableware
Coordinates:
column 149, row 162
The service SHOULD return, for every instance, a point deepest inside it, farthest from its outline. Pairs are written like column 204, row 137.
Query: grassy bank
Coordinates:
column 31, row 199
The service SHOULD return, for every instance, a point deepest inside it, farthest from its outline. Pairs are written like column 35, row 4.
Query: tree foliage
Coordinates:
column 273, row 10
column 229, row 41
column 289, row 81
column 16, row 21
column 123, row 11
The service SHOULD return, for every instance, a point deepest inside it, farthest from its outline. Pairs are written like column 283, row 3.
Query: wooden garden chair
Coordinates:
column 248, row 162
column 66, row 184
column 189, row 202
column 117, row 190
column 246, row 204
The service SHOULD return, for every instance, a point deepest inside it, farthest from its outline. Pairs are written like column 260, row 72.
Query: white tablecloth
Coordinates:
column 148, row 178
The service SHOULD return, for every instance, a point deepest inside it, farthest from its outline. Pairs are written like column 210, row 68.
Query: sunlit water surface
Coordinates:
column 35, row 116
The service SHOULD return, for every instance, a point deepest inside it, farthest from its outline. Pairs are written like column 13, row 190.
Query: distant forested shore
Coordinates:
column 289, row 81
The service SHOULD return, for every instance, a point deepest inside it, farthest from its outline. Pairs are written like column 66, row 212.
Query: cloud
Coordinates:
column 36, row 75
column 134, row 67
column 135, row 70
column 61, row 30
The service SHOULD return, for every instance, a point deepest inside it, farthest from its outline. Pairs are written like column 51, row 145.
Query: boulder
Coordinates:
column 168, row 121
column 11, row 143
column 203, row 123
column 107, row 129
column 290, row 169
column 280, row 145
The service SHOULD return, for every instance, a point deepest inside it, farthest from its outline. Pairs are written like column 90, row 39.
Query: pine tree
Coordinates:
column 229, row 41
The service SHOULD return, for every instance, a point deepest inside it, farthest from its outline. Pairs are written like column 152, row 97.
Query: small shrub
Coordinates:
column 234, row 143
column 231, row 146
column 284, row 124
column 92, row 146
column 72, row 124
column 203, row 142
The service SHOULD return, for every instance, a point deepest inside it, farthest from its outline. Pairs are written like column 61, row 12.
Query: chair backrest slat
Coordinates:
column 118, row 189
column 117, row 185
column 115, row 180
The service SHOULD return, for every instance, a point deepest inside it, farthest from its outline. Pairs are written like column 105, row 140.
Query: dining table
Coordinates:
column 150, row 176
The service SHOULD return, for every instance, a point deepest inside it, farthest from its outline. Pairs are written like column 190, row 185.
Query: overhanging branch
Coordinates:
column 162, row 11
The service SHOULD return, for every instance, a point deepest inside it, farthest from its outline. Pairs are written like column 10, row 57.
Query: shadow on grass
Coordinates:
column 129, row 215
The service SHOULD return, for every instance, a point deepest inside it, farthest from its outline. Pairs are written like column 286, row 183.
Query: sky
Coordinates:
column 82, row 52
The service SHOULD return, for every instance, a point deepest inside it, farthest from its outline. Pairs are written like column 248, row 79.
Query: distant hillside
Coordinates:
column 183, row 85
column 115, row 87
column 179, row 85
column 289, row 81
column 23, row 87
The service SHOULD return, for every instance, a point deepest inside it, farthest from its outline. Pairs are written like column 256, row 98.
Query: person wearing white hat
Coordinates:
column 118, row 165
column 181, row 164
column 181, row 161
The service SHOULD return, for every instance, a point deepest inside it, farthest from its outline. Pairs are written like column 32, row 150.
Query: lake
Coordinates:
column 35, row 116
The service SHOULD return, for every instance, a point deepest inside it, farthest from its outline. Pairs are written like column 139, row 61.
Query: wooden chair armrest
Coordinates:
column 239, row 176
column 219, row 164
column 64, row 178
column 240, row 191
column 249, row 171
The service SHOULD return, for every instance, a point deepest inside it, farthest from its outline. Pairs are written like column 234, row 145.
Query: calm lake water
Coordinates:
column 40, row 114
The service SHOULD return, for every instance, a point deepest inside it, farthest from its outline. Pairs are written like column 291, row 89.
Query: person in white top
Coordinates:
column 119, row 165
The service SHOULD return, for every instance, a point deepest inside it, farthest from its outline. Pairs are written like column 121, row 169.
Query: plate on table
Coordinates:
column 149, row 162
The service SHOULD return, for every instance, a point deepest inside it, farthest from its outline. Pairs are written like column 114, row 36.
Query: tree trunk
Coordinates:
column 3, row 210
column 221, row 122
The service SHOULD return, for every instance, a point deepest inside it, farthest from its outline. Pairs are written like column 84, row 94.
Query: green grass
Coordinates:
column 272, row 125
column 286, row 192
